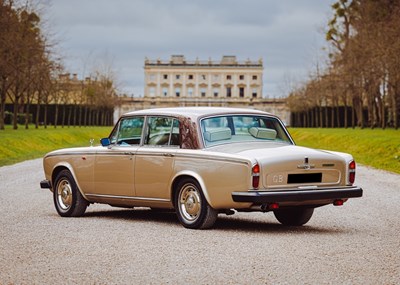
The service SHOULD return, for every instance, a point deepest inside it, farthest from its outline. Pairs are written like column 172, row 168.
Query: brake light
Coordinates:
column 255, row 176
column 352, row 172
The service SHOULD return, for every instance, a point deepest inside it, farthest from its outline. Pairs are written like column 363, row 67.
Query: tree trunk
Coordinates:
column 45, row 116
column 80, row 116
column 27, row 106
column 37, row 115
column 63, row 116
column 56, row 116
column 15, row 119
column 75, row 115
column 2, row 111
column 88, row 116
column 337, row 116
column 312, row 125
column 69, row 115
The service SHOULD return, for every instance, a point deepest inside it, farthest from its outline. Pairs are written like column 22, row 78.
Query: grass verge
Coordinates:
column 377, row 148
column 19, row 145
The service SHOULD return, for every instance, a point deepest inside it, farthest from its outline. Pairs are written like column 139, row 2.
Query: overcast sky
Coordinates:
column 287, row 35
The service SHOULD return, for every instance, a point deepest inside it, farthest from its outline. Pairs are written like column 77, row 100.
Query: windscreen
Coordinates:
column 242, row 128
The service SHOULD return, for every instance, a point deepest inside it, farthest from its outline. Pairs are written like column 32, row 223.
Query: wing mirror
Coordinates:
column 105, row 141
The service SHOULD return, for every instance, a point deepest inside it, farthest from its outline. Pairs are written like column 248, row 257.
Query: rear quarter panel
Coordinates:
column 218, row 174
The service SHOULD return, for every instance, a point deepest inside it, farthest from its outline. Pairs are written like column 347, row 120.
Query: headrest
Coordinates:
column 217, row 134
column 263, row 133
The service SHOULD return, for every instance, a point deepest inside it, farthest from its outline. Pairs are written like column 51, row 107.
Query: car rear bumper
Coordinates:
column 297, row 195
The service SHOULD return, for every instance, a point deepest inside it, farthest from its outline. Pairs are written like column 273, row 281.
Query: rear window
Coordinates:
column 242, row 128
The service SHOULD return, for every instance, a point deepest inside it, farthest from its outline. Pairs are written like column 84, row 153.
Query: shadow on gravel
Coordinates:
column 223, row 223
column 245, row 225
column 141, row 215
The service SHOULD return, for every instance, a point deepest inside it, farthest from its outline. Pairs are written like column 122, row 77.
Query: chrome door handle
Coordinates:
column 168, row 154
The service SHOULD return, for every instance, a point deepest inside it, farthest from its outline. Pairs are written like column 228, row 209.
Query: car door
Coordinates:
column 113, row 171
column 154, row 161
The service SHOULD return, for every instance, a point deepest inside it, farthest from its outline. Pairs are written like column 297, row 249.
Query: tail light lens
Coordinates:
column 352, row 172
column 255, row 173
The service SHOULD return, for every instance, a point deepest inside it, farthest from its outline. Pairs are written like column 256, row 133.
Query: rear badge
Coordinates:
column 306, row 165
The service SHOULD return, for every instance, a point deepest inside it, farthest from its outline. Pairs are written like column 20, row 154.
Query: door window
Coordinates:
column 162, row 131
column 129, row 131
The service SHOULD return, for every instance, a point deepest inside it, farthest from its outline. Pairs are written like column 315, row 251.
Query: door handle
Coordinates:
column 128, row 153
column 168, row 154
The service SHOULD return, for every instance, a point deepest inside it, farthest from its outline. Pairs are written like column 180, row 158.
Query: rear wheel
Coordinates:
column 192, row 208
column 68, row 201
column 294, row 216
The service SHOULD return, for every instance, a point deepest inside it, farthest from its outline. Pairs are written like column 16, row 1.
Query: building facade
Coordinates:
column 225, row 83
column 179, row 78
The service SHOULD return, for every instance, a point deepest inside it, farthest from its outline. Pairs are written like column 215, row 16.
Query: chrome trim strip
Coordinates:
column 85, row 153
column 212, row 158
column 282, row 188
column 141, row 152
column 128, row 197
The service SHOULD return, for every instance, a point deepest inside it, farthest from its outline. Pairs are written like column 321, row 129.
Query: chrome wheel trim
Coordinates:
column 64, row 195
column 189, row 203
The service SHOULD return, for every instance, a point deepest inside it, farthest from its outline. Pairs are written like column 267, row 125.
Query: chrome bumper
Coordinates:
column 297, row 195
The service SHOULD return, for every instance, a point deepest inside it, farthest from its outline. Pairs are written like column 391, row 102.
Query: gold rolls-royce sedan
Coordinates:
column 201, row 162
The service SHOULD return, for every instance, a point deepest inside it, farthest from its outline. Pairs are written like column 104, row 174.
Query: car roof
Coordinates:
column 195, row 112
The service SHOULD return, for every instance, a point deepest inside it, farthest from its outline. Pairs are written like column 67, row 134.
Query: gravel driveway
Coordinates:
column 358, row 243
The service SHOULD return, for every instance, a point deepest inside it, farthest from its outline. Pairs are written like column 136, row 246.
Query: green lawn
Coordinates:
column 377, row 148
column 19, row 145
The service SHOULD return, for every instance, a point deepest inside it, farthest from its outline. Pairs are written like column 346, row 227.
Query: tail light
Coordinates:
column 352, row 172
column 255, row 173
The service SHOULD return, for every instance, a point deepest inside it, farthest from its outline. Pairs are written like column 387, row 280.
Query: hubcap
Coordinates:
column 64, row 195
column 190, row 202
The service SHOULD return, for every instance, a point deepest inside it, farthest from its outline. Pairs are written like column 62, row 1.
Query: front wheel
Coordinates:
column 68, row 201
column 192, row 208
column 294, row 216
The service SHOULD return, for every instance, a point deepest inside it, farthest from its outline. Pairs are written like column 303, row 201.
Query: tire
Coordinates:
column 294, row 216
column 191, row 207
column 68, row 200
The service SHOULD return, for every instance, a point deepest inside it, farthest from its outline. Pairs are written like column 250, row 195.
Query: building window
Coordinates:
column 228, row 91
column 203, row 76
column 190, row 76
column 254, row 92
column 152, row 91
column 165, row 91
column 190, row 92
column 152, row 77
column 215, row 92
column 229, row 77
column 241, row 77
column 178, row 76
column 165, row 76
column 215, row 77
column 254, row 77
column 203, row 92
column 178, row 91
column 241, row 92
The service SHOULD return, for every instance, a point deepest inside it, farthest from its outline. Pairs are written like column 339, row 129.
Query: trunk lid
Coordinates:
column 290, row 166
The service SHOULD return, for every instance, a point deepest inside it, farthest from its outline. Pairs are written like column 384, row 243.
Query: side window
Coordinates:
column 162, row 131
column 130, row 131
column 175, row 134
